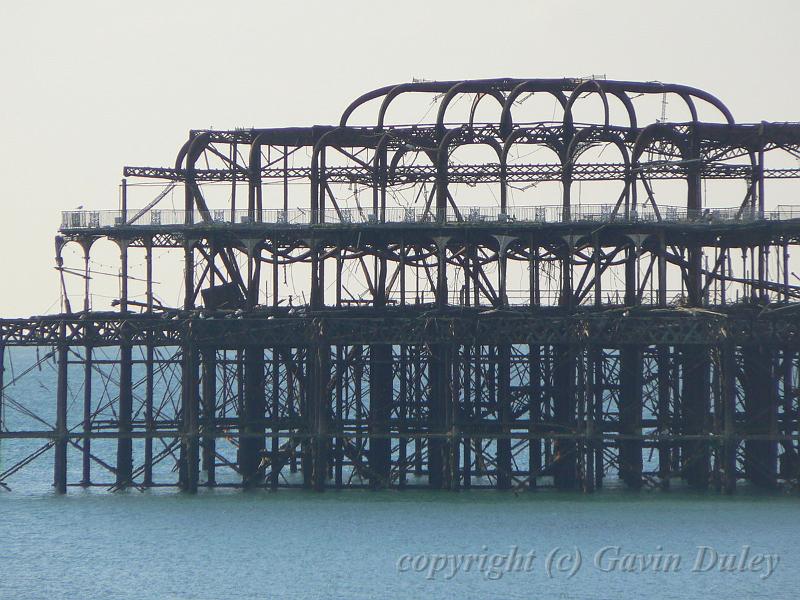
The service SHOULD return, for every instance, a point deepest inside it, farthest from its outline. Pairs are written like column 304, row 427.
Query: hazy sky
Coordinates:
column 88, row 87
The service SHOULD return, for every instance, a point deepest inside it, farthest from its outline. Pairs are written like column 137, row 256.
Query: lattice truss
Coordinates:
column 601, row 140
column 538, row 283
column 502, row 408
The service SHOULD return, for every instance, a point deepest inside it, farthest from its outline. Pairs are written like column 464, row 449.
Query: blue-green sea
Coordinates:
column 361, row 544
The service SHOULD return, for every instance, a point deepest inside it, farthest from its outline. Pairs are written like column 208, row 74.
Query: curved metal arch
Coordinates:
column 187, row 156
column 618, row 93
column 392, row 91
column 633, row 120
column 575, row 94
column 590, row 134
column 349, row 252
column 363, row 99
column 684, row 91
column 463, row 87
column 556, row 87
column 193, row 152
column 522, row 132
column 512, row 138
column 604, row 135
column 433, row 87
column 751, row 193
column 473, row 109
column 747, row 150
column 392, row 169
column 254, row 196
column 315, row 174
column 443, row 160
column 622, row 89
column 431, row 153
column 183, row 152
column 489, row 243
column 195, row 148
column 322, row 143
column 552, row 87
column 690, row 104
column 85, row 242
column 379, row 176
column 446, row 142
column 427, row 250
column 713, row 100
column 658, row 131
column 283, row 257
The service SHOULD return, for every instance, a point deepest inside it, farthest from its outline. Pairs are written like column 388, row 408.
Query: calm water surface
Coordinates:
column 347, row 544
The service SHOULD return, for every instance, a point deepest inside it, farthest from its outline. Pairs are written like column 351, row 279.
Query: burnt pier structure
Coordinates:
column 437, row 305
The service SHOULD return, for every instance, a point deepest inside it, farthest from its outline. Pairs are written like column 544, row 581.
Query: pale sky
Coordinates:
column 88, row 87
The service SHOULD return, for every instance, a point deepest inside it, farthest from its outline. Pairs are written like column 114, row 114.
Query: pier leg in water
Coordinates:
column 565, row 457
column 761, row 415
column 190, row 430
column 695, row 453
column 380, row 406
column 125, row 442
column 208, row 417
column 60, row 466
column 252, row 420
column 630, row 416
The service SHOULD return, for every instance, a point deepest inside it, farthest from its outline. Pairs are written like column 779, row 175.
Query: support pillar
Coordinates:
column 60, row 462
column 564, row 455
column 380, row 405
column 403, row 392
column 695, row 405
column 440, row 371
column 729, row 439
column 467, row 412
column 788, row 464
column 663, row 416
column 695, row 370
column 597, row 356
column 276, row 461
column 148, row 415
column 565, row 462
column 438, row 446
column 380, row 393
column 149, row 274
column 630, row 397
column 125, row 416
column 251, row 425
column 190, row 403
column 592, row 419
column 418, row 371
column 535, row 375
column 318, row 415
column 86, row 479
column 760, row 408
column 188, row 275
column 504, row 417
column 208, row 417
column 630, row 416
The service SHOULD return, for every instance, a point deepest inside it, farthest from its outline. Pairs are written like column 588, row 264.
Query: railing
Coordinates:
column 600, row 213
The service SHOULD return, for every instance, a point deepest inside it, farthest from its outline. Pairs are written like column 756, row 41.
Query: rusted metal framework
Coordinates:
column 651, row 338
